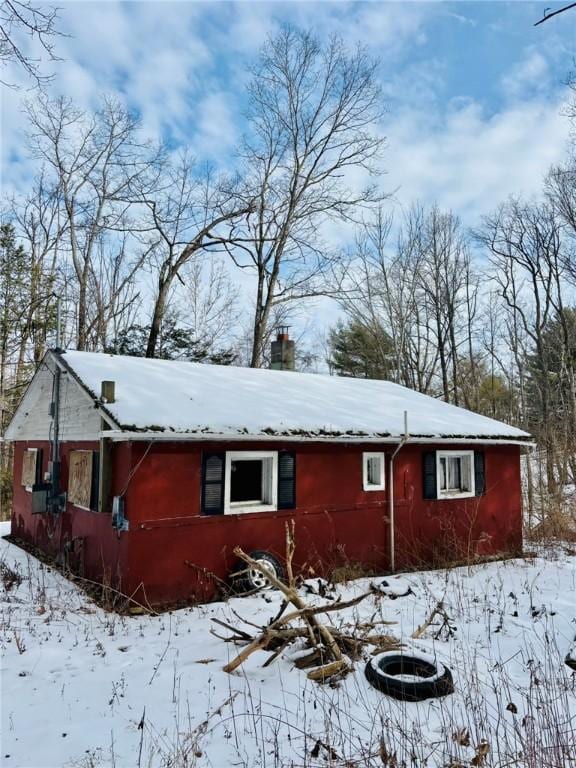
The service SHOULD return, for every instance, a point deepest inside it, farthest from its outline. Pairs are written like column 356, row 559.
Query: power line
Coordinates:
column 554, row 13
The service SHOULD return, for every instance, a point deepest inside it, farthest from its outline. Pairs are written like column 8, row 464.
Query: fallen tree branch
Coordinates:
column 277, row 652
column 439, row 610
column 241, row 635
column 318, row 631
column 336, row 606
column 328, row 670
column 327, row 644
column 259, row 642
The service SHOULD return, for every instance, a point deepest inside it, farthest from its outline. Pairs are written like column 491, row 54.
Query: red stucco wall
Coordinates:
column 336, row 521
column 433, row 531
column 171, row 552
column 104, row 552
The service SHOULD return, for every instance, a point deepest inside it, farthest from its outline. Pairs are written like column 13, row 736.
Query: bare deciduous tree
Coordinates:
column 444, row 269
column 208, row 301
column 94, row 161
column 421, row 292
column 525, row 244
column 312, row 117
column 21, row 19
column 191, row 212
column 40, row 227
column 380, row 289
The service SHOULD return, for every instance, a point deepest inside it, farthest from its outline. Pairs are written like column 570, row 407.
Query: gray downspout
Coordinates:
column 402, row 442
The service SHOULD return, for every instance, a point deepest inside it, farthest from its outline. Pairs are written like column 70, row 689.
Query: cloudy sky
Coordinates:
column 474, row 91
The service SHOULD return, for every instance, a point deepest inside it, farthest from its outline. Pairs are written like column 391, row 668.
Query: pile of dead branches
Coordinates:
column 330, row 650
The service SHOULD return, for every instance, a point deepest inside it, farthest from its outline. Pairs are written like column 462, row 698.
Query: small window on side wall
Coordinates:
column 251, row 483
column 455, row 474
column 373, row 478
column 248, row 481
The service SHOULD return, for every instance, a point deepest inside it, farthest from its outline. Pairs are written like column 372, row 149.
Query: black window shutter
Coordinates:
column 479, row 473
column 213, row 465
column 429, row 475
column 286, row 480
column 95, row 485
column 39, row 472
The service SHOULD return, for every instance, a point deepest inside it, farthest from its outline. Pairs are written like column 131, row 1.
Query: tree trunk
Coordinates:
column 158, row 316
column 260, row 319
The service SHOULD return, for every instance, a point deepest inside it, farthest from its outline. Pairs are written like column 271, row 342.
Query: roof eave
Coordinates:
column 119, row 435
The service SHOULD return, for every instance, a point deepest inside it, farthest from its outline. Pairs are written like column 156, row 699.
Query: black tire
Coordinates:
column 246, row 579
column 388, row 672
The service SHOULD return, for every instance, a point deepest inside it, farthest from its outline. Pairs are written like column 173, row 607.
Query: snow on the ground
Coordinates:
column 86, row 688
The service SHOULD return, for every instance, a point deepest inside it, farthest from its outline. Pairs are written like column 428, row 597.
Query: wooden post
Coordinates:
column 105, row 475
column 107, row 395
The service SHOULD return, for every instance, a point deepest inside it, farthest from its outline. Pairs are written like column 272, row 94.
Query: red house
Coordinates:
column 147, row 473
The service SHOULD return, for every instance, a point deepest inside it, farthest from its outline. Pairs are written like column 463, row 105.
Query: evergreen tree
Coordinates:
column 361, row 351
column 174, row 343
column 14, row 278
column 555, row 372
column 551, row 382
column 486, row 392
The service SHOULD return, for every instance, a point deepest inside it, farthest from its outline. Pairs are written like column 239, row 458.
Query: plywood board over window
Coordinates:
column 29, row 471
column 80, row 478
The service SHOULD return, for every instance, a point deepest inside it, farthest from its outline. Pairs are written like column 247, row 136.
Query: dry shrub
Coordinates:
column 350, row 571
column 558, row 524
column 9, row 577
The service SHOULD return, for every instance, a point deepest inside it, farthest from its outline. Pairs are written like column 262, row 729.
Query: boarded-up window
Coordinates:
column 29, row 467
column 80, row 478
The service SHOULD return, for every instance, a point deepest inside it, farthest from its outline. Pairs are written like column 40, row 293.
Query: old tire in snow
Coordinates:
column 247, row 579
column 409, row 677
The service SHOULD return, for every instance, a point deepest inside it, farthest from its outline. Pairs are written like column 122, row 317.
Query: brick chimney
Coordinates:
column 282, row 351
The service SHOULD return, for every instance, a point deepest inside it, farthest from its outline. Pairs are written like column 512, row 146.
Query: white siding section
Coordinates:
column 79, row 418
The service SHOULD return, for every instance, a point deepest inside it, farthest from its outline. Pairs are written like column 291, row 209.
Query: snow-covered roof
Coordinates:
column 157, row 397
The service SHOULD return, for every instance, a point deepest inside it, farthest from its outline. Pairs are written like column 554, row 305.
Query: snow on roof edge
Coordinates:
column 193, row 386
column 168, row 436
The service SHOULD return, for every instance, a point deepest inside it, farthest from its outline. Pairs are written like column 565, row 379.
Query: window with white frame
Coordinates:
column 251, row 483
column 455, row 474
column 373, row 471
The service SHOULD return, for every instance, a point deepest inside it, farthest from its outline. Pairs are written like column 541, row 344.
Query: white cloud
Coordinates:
column 386, row 28
column 529, row 76
column 473, row 161
column 216, row 134
column 182, row 65
column 462, row 19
